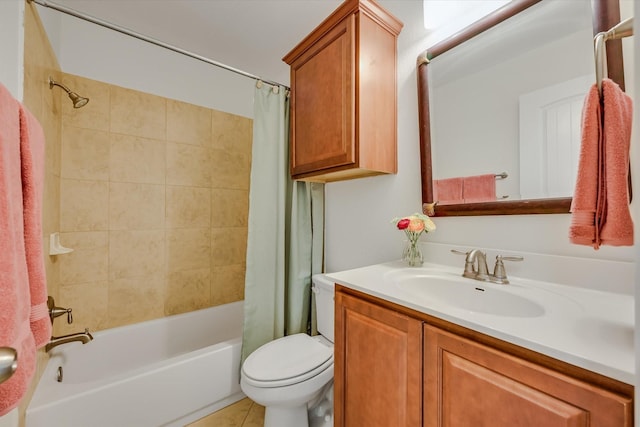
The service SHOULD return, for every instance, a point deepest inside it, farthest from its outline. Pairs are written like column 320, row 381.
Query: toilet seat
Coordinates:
column 286, row 361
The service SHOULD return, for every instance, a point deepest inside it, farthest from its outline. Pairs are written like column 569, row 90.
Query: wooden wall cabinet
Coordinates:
column 467, row 379
column 343, row 96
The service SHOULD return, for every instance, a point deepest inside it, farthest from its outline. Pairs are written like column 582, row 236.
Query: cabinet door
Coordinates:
column 469, row 384
column 322, row 102
column 378, row 372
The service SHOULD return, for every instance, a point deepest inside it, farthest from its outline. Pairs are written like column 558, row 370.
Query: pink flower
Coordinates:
column 416, row 225
column 403, row 223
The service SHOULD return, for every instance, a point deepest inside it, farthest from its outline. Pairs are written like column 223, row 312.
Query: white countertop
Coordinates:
column 584, row 327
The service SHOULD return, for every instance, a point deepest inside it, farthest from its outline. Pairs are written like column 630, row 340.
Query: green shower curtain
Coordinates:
column 285, row 231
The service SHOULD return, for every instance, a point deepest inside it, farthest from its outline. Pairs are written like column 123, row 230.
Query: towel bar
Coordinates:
column 623, row 29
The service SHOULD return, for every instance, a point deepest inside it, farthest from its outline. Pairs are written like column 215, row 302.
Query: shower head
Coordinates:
column 78, row 101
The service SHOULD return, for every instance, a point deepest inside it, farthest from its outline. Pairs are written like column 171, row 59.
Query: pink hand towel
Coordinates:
column 15, row 302
column 582, row 230
column 447, row 191
column 600, row 205
column 479, row 188
column 32, row 155
column 616, row 223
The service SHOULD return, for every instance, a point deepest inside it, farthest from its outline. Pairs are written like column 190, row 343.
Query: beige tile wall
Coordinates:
column 154, row 202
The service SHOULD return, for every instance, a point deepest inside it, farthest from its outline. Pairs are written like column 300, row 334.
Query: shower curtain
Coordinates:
column 285, row 230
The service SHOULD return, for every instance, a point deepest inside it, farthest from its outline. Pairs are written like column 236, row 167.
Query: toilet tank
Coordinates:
column 323, row 288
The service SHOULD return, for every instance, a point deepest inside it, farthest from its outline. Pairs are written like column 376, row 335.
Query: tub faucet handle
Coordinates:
column 58, row 311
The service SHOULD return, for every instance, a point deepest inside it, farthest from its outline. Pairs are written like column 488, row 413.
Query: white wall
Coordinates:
column 12, row 46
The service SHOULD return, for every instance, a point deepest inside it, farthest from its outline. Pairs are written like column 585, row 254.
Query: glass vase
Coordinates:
column 412, row 254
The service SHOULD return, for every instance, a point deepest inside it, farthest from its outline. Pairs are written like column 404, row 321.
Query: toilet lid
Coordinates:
column 287, row 360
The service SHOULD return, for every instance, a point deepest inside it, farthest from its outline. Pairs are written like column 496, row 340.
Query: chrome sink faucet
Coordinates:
column 477, row 260
column 83, row 337
column 475, row 266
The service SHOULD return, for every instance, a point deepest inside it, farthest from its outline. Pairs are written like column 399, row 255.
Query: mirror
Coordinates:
column 455, row 74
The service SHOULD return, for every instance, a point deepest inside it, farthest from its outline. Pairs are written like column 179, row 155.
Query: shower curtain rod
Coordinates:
column 122, row 30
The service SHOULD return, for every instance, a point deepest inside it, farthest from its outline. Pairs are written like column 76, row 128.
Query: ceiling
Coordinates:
column 250, row 35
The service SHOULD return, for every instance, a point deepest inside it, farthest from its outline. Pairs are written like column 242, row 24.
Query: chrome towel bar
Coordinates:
column 623, row 29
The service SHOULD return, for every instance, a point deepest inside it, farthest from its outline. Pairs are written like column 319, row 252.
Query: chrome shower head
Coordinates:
column 78, row 101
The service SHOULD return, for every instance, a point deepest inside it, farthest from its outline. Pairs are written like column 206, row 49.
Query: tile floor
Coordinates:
column 244, row 413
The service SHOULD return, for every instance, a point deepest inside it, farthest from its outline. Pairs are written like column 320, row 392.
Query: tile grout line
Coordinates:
column 246, row 415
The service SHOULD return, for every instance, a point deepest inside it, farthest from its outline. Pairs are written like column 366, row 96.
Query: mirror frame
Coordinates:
column 606, row 14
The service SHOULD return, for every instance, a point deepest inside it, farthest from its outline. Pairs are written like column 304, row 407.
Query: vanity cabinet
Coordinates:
column 470, row 384
column 378, row 366
column 465, row 378
column 343, row 96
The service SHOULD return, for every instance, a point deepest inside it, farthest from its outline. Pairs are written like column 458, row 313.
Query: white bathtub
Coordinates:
column 164, row 372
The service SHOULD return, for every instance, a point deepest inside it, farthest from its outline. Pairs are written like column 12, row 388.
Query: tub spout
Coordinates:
column 83, row 337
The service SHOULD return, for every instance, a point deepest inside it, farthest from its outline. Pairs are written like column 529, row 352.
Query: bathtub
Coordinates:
column 163, row 372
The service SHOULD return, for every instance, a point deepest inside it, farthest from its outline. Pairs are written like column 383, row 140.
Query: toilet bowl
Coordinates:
column 289, row 374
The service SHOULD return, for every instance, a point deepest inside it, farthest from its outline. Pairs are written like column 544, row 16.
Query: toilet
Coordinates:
column 292, row 376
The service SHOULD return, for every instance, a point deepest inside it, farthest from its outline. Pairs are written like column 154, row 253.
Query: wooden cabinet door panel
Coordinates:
column 473, row 395
column 322, row 103
column 378, row 366
column 469, row 384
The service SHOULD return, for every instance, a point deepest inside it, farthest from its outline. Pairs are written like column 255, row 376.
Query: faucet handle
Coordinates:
column 499, row 272
column 509, row 258
column 469, row 267
column 58, row 311
column 457, row 252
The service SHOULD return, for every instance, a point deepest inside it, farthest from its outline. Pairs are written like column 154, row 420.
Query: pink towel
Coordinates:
column 616, row 223
column 585, row 198
column 15, row 301
column 32, row 156
column 479, row 188
column 447, row 191
column 600, row 206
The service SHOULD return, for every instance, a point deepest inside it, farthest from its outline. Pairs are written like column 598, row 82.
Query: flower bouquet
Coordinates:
column 413, row 226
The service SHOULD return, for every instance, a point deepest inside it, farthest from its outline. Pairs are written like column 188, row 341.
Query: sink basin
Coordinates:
column 468, row 294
